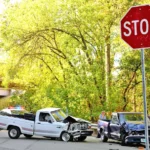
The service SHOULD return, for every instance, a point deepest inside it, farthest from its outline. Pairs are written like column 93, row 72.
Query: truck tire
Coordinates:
column 14, row 132
column 65, row 136
column 81, row 138
column 123, row 143
column 103, row 137
column 28, row 136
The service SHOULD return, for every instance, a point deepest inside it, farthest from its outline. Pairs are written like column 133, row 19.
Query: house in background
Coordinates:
column 4, row 97
column 4, row 92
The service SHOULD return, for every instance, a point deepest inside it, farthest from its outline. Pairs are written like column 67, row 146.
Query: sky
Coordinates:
column 2, row 6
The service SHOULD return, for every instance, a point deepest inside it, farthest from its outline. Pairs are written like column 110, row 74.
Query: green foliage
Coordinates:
column 56, row 55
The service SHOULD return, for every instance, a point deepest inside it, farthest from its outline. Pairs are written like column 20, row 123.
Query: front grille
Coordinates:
column 74, row 126
column 148, row 132
column 84, row 126
column 79, row 126
column 142, row 132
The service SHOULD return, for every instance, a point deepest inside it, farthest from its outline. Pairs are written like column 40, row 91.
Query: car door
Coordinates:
column 47, row 128
column 115, row 127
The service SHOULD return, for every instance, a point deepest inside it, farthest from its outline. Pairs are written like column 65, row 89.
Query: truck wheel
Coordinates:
column 103, row 137
column 65, row 136
column 28, row 136
column 81, row 138
column 98, row 135
column 14, row 132
column 123, row 143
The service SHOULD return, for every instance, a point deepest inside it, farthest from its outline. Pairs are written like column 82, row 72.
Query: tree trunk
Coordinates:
column 107, row 67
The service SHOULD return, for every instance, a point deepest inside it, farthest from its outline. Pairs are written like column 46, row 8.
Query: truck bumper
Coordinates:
column 81, row 133
column 136, row 139
column 86, row 133
column 76, row 134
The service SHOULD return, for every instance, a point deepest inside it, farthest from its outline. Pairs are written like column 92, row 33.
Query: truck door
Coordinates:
column 45, row 126
column 115, row 127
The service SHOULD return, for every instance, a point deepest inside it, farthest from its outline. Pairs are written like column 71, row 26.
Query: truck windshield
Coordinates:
column 59, row 115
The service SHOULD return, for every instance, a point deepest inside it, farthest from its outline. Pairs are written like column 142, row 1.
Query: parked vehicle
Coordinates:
column 127, row 127
column 48, row 122
column 15, row 110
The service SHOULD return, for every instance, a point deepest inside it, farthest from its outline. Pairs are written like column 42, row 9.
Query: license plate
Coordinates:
column 143, row 140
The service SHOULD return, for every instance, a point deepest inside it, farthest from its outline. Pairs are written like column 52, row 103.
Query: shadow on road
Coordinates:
column 89, row 140
column 128, row 145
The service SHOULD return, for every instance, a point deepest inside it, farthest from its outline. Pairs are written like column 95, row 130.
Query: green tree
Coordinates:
column 62, row 54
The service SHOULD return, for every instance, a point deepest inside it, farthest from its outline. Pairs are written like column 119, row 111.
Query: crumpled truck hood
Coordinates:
column 74, row 119
column 135, row 127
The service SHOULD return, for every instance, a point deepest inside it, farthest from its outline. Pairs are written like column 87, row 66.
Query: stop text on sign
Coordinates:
column 135, row 27
column 141, row 26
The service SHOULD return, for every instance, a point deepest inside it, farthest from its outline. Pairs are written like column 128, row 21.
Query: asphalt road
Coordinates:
column 41, row 143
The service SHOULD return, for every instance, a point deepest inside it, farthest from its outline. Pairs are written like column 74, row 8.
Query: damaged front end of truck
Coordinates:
column 78, row 129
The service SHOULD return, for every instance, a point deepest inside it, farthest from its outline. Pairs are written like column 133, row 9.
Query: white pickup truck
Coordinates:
column 48, row 122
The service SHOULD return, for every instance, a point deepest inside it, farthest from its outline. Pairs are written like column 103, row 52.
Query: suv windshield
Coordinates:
column 59, row 115
column 132, row 117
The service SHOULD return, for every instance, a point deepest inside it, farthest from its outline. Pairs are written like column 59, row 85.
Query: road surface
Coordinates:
column 41, row 143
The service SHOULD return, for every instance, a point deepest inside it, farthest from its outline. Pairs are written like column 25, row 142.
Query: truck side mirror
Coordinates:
column 50, row 121
column 118, row 123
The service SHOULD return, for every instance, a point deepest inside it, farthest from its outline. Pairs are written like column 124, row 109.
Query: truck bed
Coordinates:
column 103, row 122
column 27, row 116
column 24, row 122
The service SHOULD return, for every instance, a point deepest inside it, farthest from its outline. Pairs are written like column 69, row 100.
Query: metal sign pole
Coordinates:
column 144, row 99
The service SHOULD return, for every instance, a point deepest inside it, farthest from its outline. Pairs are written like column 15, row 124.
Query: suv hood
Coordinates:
column 136, row 127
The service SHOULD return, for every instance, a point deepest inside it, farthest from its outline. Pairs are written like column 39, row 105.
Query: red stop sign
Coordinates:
column 135, row 27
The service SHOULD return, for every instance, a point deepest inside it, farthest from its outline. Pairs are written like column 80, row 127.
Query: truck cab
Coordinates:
column 48, row 122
